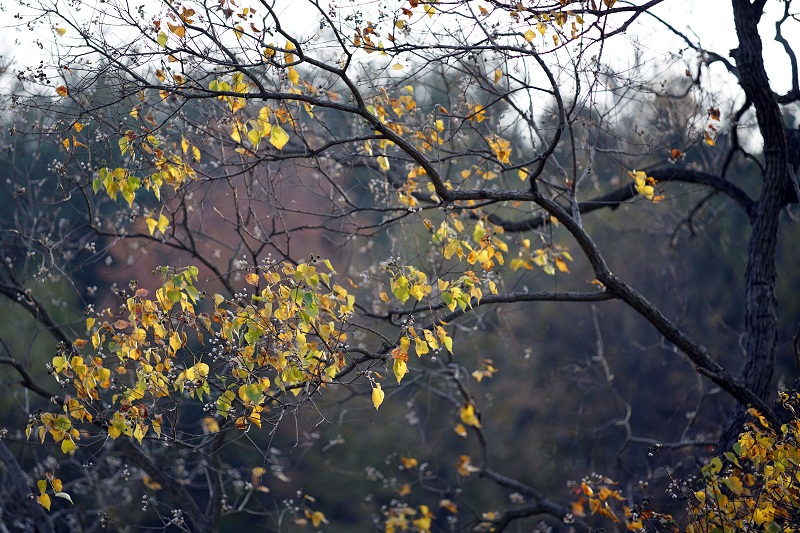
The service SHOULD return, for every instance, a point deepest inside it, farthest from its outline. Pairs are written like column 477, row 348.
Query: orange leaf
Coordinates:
column 178, row 30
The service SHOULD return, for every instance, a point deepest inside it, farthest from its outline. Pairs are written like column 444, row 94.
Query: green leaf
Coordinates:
column 62, row 423
column 193, row 293
column 730, row 456
column 162, row 39
column 253, row 393
column 174, row 296
column 224, row 402
column 400, row 289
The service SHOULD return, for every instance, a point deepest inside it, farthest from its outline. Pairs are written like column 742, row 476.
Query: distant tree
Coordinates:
column 309, row 206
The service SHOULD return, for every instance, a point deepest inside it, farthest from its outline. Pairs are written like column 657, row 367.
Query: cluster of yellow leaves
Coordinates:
column 58, row 489
column 169, row 166
column 555, row 21
column 60, row 427
column 487, row 248
column 117, row 181
column 477, row 113
column 549, row 258
column 266, row 125
column 235, row 84
column 283, row 337
column 73, row 140
column 645, row 185
column 423, row 343
column 501, row 148
column 161, row 223
column 398, row 519
column 408, row 282
column 754, row 487
column 757, row 488
column 597, row 493
column 487, row 370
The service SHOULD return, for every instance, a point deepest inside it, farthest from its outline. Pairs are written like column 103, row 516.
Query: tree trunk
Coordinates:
column 761, row 324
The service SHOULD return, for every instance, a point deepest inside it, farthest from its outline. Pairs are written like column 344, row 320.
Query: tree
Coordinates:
column 325, row 209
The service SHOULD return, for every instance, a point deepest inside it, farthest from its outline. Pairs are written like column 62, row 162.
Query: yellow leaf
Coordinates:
column 542, row 27
column 138, row 433
column 398, row 66
column 421, row 346
column 60, row 31
column 278, row 138
column 383, row 162
column 44, row 501
column 318, row 518
column 460, row 430
column 210, row 425
column 377, row 396
column 175, row 344
column 469, row 417
column 400, row 369
column 65, row 142
column 163, row 223
column 734, row 483
column 294, row 77
column 236, row 132
column 497, row 75
column 643, row 184
column 254, row 136
column 529, row 35
column 449, row 506
column 58, row 486
column 162, row 39
column 67, row 445
column 61, row 90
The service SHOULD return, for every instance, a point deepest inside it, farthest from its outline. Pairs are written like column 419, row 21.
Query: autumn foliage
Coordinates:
column 250, row 237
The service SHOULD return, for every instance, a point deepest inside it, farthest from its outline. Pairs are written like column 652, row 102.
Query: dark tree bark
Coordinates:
column 761, row 329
